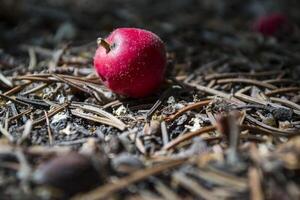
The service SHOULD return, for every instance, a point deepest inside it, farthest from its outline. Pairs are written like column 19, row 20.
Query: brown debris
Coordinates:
column 224, row 125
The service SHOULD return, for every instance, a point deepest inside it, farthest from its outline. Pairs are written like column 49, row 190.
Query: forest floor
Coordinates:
column 225, row 124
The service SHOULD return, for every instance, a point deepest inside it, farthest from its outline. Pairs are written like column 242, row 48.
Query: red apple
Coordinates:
column 131, row 61
column 274, row 24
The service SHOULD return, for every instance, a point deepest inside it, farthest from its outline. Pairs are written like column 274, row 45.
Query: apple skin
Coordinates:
column 273, row 24
column 135, row 65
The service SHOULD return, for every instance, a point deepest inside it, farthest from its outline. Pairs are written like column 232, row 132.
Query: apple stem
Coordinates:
column 104, row 44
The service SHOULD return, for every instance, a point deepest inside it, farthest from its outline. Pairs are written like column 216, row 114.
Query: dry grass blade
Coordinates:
column 102, row 120
column 72, row 84
column 101, row 112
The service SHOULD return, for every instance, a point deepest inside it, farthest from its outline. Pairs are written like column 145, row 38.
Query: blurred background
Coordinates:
column 195, row 31
column 50, row 22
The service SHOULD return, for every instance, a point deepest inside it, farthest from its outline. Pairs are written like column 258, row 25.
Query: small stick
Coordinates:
column 164, row 132
column 72, row 84
column 161, row 99
column 48, row 128
column 282, row 90
column 6, row 121
column 196, row 105
column 282, row 81
column 215, row 92
column 247, row 81
column 26, row 131
column 16, row 89
column 6, row 134
column 34, row 102
column 287, row 103
column 5, row 81
column 255, row 185
column 13, row 100
column 165, row 191
column 188, row 136
column 32, row 60
column 20, row 114
column 35, row 89
column 275, row 131
column 50, row 114
column 194, row 187
column 238, row 74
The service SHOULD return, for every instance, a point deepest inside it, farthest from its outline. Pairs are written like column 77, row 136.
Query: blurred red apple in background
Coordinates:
column 274, row 24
